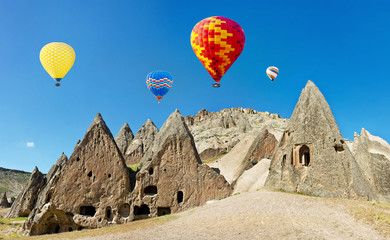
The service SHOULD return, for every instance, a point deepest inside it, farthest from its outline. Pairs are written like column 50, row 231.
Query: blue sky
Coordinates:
column 342, row 46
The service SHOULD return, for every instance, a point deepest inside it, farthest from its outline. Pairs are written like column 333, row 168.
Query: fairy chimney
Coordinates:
column 172, row 177
column 4, row 201
column 26, row 200
column 141, row 143
column 312, row 157
column 93, row 189
column 124, row 138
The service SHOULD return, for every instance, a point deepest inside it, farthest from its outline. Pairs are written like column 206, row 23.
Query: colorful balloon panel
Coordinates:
column 57, row 58
column 159, row 83
column 272, row 72
column 217, row 42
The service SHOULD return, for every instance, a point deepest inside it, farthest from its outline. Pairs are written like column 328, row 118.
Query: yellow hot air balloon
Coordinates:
column 57, row 58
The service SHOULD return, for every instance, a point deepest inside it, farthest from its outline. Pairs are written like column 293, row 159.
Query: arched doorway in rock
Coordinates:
column 304, row 155
column 179, row 197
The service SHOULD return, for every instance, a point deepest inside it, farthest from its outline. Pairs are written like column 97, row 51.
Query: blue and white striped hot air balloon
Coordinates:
column 159, row 83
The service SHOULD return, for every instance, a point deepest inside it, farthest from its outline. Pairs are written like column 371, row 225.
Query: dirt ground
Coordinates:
column 259, row 215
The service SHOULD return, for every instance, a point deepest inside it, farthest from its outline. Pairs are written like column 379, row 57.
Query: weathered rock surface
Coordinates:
column 248, row 152
column 12, row 200
column 4, row 201
column 172, row 177
column 93, row 189
column 50, row 179
column 141, row 143
column 124, row 138
column 253, row 179
column 312, row 157
column 216, row 133
column 26, row 200
column 373, row 157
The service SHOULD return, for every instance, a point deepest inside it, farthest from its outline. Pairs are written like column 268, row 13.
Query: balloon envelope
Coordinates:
column 159, row 83
column 217, row 42
column 57, row 58
column 272, row 72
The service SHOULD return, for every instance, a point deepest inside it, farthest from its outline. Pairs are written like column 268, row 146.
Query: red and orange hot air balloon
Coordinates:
column 217, row 42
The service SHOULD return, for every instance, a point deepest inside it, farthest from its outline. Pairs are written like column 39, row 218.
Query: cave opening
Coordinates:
column 179, row 197
column 150, row 190
column 87, row 211
column 161, row 211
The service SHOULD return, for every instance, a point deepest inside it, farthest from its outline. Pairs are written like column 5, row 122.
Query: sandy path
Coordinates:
column 259, row 215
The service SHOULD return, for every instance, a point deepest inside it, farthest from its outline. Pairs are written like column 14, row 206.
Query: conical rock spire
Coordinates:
column 312, row 157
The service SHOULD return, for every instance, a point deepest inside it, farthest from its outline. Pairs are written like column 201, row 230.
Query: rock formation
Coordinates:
column 4, row 202
column 124, row 138
column 141, row 143
column 216, row 133
column 172, row 177
column 312, row 157
column 37, row 195
column 306, row 154
column 50, row 179
column 373, row 157
column 26, row 200
column 264, row 147
column 253, row 179
column 12, row 200
column 248, row 152
column 93, row 189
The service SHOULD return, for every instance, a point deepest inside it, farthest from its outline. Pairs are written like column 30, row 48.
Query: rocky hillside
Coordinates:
column 195, row 159
column 216, row 133
column 12, row 181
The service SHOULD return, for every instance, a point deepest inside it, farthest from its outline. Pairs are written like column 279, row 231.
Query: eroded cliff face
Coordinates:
column 372, row 154
column 172, row 177
column 216, row 133
column 248, row 152
column 313, row 157
column 93, row 189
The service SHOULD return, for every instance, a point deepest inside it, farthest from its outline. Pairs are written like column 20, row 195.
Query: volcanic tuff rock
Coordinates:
column 25, row 201
column 172, row 177
column 216, row 133
column 93, row 189
column 51, row 178
column 124, row 137
column 12, row 200
column 312, row 157
column 253, row 179
column 141, row 143
column 248, row 152
column 4, row 201
column 42, row 193
column 373, row 157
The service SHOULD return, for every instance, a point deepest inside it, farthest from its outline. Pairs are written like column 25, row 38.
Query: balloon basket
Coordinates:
column 58, row 84
column 216, row 85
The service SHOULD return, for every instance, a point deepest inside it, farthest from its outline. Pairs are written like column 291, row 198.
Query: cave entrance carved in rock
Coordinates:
column 303, row 155
column 161, row 211
column 141, row 212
